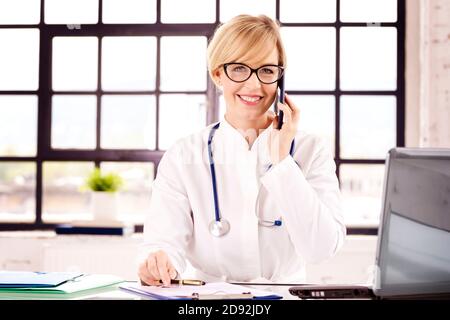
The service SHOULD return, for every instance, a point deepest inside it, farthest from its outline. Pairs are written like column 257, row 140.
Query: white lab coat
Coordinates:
column 305, row 195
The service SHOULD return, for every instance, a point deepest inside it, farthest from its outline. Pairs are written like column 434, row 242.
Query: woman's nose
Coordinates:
column 253, row 81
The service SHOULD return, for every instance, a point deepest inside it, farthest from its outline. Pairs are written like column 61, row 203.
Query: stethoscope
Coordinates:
column 220, row 226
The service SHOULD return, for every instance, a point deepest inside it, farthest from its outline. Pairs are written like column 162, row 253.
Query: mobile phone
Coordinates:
column 280, row 98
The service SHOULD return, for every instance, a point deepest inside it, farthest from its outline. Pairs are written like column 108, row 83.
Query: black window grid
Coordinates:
column 158, row 29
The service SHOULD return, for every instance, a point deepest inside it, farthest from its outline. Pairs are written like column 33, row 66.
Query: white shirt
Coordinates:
column 302, row 190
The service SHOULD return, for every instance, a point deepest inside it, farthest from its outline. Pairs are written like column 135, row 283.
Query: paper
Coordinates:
column 209, row 291
column 84, row 282
column 21, row 279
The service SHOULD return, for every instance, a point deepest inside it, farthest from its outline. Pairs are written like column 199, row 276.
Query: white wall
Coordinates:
column 428, row 73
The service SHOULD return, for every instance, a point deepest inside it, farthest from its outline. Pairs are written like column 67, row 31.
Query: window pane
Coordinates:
column 134, row 199
column 128, row 63
column 17, row 191
column 368, row 126
column 128, row 122
column 317, row 116
column 74, row 121
column 18, row 125
column 75, row 63
column 231, row 8
column 361, row 189
column 129, row 11
column 19, row 59
column 187, row 71
column 180, row 115
column 368, row 58
column 20, row 11
column 63, row 199
column 71, row 11
column 368, row 10
column 182, row 11
column 308, row 11
column 311, row 56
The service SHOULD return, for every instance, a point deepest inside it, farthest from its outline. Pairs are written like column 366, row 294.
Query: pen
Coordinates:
column 186, row 282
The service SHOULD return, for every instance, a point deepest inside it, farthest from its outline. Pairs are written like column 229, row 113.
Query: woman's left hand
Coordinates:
column 280, row 140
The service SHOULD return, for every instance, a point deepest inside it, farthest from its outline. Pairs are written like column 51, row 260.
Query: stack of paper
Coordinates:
column 26, row 279
column 53, row 282
column 214, row 290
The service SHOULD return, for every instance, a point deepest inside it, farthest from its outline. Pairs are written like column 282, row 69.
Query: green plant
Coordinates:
column 110, row 182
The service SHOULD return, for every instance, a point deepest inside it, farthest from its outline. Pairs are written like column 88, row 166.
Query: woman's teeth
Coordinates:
column 250, row 99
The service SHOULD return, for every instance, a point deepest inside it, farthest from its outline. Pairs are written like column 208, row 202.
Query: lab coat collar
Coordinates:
column 232, row 148
column 236, row 135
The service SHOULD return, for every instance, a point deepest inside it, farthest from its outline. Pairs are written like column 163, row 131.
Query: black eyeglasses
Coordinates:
column 239, row 72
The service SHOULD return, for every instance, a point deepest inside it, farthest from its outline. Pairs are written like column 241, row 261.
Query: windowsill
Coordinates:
column 40, row 234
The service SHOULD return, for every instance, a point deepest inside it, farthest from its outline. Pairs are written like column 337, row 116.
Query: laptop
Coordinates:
column 413, row 246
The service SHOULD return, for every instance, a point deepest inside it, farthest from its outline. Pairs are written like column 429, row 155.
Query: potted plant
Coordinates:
column 104, row 189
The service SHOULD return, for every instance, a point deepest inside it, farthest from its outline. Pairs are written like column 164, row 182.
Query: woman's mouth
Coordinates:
column 249, row 100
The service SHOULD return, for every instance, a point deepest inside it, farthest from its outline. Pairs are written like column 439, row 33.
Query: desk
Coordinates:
column 115, row 293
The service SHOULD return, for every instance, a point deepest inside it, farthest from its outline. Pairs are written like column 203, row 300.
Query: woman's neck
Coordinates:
column 249, row 129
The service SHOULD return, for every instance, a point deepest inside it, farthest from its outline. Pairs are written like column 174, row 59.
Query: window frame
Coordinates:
column 159, row 29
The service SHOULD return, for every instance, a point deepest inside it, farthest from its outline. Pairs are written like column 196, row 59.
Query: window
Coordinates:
column 346, row 78
column 95, row 83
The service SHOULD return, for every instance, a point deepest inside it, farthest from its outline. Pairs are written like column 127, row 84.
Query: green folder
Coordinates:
column 85, row 282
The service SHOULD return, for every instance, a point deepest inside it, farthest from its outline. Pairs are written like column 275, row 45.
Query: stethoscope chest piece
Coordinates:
column 219, row 228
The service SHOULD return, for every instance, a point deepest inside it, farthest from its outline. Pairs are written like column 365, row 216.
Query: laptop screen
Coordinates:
column 414, row 252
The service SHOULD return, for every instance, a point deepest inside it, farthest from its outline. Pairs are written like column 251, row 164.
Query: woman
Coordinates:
column 242, row 200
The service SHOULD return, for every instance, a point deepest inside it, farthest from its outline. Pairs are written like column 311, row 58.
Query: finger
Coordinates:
column 146, row 281
column 163, row 268
column 172, row 271
column 144, row 275
column 149, row 282
column 294, row 108
column 275, row 122
column 287, row 112
column 291, row 104
column 152, row 268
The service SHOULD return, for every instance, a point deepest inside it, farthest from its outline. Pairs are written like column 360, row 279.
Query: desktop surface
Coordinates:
column 115, row 293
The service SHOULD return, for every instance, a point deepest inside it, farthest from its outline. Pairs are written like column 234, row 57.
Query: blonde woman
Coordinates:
column 242, row 200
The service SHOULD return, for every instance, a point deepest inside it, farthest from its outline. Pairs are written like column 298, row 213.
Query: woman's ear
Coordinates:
column 216, row 77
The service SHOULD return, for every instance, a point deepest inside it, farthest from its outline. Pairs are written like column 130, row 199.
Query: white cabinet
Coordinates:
column 37, row 251
column 354, row 263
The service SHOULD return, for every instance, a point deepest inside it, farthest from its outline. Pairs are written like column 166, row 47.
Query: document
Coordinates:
column 84, row 282
column 28, row 279
column 214, row 290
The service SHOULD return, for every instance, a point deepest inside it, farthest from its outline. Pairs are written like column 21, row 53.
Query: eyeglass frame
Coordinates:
column 255, row 71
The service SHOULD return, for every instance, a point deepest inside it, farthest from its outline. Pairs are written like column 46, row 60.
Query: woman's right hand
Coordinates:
column 156, row 267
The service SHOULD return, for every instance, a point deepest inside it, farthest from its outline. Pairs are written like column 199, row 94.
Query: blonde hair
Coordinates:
column 244, row 38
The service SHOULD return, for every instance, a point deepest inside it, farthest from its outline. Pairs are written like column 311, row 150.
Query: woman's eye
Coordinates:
column 267, row 71
column 239, row 69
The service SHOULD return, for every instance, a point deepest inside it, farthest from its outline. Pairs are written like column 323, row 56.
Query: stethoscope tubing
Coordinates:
column 213, row 171
column 218, row 218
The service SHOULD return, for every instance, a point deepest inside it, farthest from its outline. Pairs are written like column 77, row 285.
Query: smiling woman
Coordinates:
column 240, row 48
column 273, row 206
column 105, row 81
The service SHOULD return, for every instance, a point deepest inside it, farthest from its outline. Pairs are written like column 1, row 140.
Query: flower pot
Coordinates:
column 104, row 206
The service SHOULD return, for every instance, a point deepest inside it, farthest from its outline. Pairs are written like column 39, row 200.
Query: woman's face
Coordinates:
column 248, row 100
